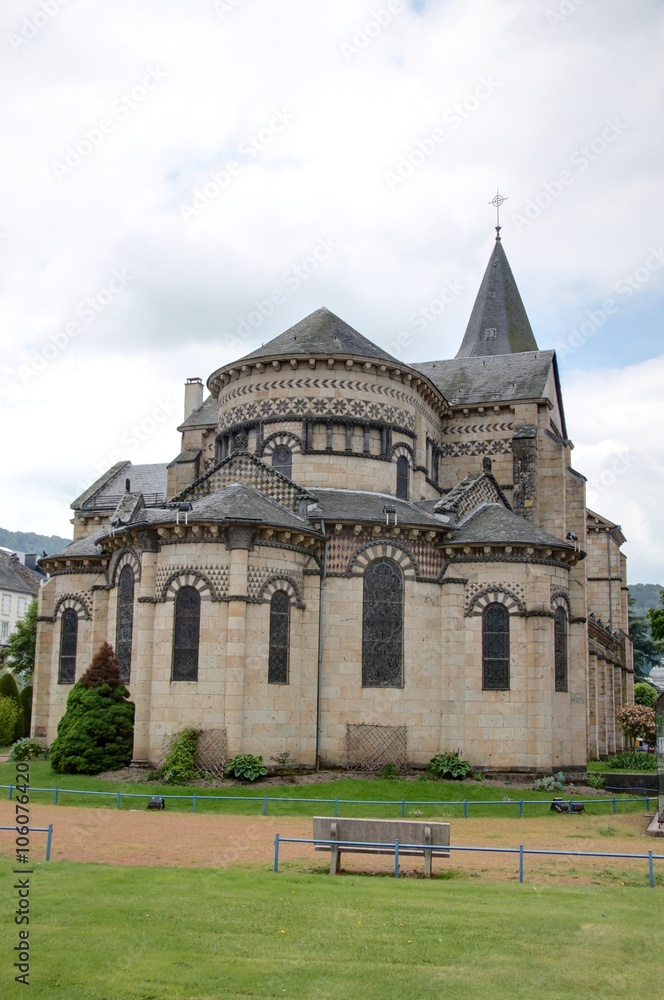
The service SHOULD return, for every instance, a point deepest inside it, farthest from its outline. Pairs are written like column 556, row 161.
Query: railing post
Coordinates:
column 275, row 867
column 569, row 807
column 265, row 805
column 118, row 800
column 647, row 803
column 520, row 807
column 520, row 862
column 336, row 807
column 651, row 870
column 49, row 837
column 193, row 803
column 465, row 808
column 396, row 858
column 55, row 796
column 11, row 791
column 613, row 804
column 403, row 807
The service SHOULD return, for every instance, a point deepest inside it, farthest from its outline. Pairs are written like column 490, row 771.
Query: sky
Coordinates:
column 182, row 182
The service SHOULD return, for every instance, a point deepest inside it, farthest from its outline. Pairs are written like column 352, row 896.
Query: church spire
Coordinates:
column 498, row 323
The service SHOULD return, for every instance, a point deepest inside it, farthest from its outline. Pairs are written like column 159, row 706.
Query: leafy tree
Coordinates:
column 8, row 717
column 21, row 644
column 637, row 722
column 656, row 616
column 9, row 689
column 96, row 733
column 645, row 694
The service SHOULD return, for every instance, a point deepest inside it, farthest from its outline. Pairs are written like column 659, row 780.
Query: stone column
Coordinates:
column 239, row 540
column 142, row 650
column 44, row 662
column 593, row 741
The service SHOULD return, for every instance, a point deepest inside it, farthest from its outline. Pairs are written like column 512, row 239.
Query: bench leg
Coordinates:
column 335, row 861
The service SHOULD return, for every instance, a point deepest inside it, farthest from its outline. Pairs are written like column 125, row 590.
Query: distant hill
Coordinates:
column 28, row 541
column 646, row 596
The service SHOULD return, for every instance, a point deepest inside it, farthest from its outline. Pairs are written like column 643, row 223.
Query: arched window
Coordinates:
column 68, row 641
column 277, row 671
column 560, row 647
column 402, row 478
column 282, row 460
column 124, row 626
column 382, row 625
column 495, row 648
column 186, row 634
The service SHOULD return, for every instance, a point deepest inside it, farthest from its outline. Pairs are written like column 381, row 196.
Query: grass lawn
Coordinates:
column 414, row 793
column 108, row 933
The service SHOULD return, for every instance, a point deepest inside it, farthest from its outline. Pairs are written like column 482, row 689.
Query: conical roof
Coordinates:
column 498, row 323
column 320, row 333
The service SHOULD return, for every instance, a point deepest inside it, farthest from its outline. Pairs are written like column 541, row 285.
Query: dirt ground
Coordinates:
column 142, row 837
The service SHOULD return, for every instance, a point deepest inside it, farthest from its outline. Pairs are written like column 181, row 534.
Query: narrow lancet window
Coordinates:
column 68, row 642
column 277, row 671
column 402, row 478
column 124, row 628
column 560, row 646
column 495, row 648
column 186, row 634
column 382, row 625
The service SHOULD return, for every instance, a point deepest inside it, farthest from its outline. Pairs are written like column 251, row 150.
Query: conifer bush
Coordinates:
column 96, row 733
column 8, row 717
column 9, row 689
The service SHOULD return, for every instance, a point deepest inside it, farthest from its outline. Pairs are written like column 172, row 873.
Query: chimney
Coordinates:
column 31, row 560
column 193, row 396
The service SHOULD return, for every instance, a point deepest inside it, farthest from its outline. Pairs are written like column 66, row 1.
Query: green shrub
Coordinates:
column 595, row 780
column 389, row 773
column 550, row 783
column 635, row 760
column 246, row 766
column 26, row 749
column 96, row 733
column 25, row 697
column 179, row 765
column 645, row 694
column 449, row 766
column 9, row 689
column 8, row 716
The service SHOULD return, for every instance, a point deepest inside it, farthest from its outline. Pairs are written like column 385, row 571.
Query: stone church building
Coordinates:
column 356, row 560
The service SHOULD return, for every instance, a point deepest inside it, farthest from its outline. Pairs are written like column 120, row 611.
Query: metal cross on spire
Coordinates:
column 497, row 201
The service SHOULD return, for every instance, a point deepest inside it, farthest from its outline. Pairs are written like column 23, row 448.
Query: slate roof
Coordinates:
column 107, row 491
column 14, row 576
column 494, row 523
column 205, row 416
column 87, row 547
column 321, row 333
column 490, row 379
column 361, row 505
column 498, row 323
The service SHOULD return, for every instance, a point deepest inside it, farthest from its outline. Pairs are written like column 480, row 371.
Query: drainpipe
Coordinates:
column 320, row 649
column 608, row 563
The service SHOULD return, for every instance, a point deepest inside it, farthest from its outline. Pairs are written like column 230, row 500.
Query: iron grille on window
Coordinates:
column 277, row 671
column 560, row 646
column 186, row 634
column 282, row 460
column 382, row 625
column 68, row 640
column 124, row 627
column 402, row 478
column 495, row 648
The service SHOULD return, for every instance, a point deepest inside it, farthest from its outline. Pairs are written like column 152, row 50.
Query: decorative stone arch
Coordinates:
column 495, row 594
column 560, row 599
column 75, row 601
column 403, row 450
column 281, row 581
column 384, row 549
column 188, row 578
column 126, row 557
column 291, row 441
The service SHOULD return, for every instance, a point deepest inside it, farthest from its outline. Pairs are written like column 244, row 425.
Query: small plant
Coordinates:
column 607, row 831
column 550, row 784
column 595, row 781
column 629, row 760
column 179, row 765
column 283, row 760
column 8, row 718
column 414, row 812
column 26, row 749
column 449, row 766
column 246, row 767
column 478, row 776
column 389, row 772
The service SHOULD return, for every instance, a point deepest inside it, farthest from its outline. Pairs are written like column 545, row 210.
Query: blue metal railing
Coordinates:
column 400, row 804
column 48, row 830
column 397, row 846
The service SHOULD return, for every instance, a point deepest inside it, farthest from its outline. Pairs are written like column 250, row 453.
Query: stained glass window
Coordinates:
column 495, row 648
column 402, row 478
column 277, row 671
column 560, row 646
column 124, row 627
column 68, row 641
column 282, row 460
column 186, row 634
column 382, row 625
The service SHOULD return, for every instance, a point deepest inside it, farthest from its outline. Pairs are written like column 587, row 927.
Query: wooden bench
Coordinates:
column 363, row 833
